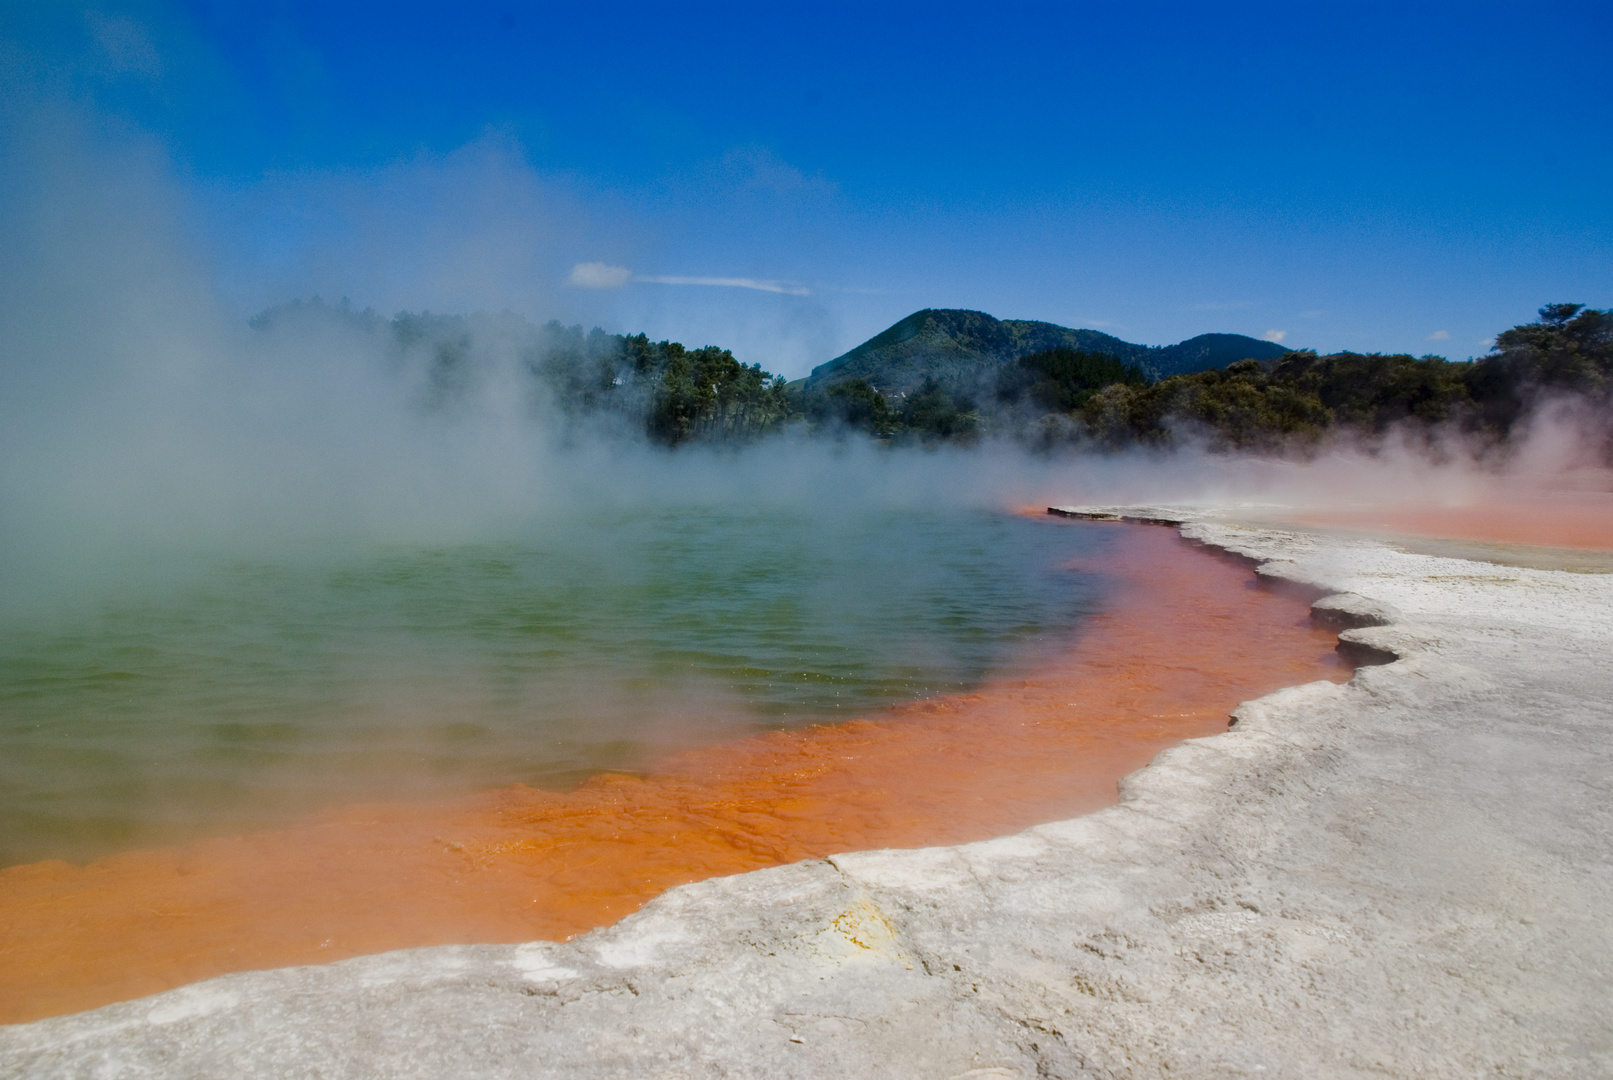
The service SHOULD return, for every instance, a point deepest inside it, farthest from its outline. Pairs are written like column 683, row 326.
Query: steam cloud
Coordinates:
column 139, row 413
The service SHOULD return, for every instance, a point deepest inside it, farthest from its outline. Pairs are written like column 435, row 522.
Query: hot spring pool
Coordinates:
column 245, row 693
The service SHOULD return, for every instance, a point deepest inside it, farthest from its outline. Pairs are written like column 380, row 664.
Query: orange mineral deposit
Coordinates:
column 1580, row 520
column 1185, row 638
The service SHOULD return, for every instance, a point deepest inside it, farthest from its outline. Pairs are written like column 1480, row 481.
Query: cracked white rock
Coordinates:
column 1409, row 875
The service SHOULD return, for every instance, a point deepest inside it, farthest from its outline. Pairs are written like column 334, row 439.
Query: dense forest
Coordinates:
column 1290, row 405
column 675, row 394
column 1293, row 404
column 1049, row 400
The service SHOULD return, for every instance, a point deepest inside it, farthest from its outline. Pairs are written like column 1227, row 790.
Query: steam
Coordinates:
column 141, row 415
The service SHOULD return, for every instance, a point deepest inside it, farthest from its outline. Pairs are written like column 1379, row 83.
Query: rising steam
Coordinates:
column 139, row 412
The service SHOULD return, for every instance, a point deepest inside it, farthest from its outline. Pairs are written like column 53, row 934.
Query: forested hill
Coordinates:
column 965, row 353
column 1037, row 384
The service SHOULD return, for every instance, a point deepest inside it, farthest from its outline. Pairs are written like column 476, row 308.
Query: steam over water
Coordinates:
column 259, row 688
column 245, row 574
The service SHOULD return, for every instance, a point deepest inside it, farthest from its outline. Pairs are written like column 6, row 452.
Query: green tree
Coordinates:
column 1062, row 380
column 707, row 394
column 1568, row 351
column 856, row 404
column 934, row 416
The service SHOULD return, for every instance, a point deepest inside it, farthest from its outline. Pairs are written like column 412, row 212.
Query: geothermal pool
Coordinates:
column 240, row 694
column 984, row 672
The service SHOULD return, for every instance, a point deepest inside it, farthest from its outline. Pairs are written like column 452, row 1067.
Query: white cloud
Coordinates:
column 1439, row 335
column 1275, row 335
column 598, row 275
column 733, row 283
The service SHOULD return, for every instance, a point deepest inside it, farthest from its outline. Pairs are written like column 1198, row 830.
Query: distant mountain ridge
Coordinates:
column 964, row 351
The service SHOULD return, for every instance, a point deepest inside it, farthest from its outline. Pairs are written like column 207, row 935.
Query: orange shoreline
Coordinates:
column 1574, row 520
column 1189, row 638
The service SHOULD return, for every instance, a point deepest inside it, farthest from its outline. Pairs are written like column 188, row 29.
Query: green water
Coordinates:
column 253, row 692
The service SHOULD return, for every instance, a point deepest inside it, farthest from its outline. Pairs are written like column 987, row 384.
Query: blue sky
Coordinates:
column 789, row 179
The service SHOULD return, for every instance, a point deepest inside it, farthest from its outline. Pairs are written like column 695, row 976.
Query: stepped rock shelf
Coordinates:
column 1410, row 874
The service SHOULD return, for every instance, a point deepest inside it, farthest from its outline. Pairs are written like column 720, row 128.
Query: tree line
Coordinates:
column 1295, row 403
column 1064, row 398
column 1050, row 400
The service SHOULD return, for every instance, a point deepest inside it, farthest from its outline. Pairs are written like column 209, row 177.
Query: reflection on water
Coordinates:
column 258, row 691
